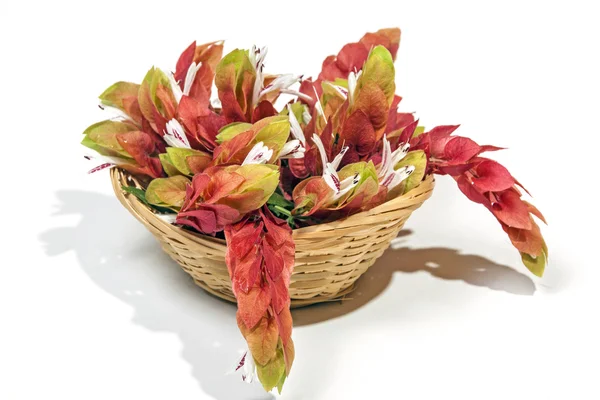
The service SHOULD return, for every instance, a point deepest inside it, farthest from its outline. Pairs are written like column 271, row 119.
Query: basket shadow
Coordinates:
column 122, row 258
column 131, row 266
column 440, row 262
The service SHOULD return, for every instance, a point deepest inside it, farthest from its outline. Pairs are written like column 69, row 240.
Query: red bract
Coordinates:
column 141, row 146
column 201, row 123
column 201, row 214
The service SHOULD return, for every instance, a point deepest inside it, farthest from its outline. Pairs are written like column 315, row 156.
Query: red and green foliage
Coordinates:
column 241, row 165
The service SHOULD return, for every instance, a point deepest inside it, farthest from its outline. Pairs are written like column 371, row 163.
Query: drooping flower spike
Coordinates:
column 175, row 135
column 330, row 175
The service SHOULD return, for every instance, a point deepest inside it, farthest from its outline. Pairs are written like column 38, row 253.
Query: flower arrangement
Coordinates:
column 238, row 167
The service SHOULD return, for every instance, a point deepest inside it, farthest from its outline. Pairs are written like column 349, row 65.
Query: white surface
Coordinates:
column 92, row 309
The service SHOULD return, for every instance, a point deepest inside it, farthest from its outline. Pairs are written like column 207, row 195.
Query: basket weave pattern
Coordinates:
column 329, row 257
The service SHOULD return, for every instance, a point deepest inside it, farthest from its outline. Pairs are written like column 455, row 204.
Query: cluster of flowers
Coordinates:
column 236, row 166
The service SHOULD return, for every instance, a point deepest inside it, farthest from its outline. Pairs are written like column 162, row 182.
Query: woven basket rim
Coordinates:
column 426, row 185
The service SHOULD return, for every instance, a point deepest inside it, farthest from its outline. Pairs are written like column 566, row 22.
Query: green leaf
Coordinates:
column 141, row 196
column 280, row 384
column 178, row 157
column 167, row 192
column 275, row 134
column 378, row 70
column 367, row 185
column 115, row 94
column 298, row 110
column 418, row 159
column 341, row 82
column 102, row 137
column 148, row 97
column 271, row 374
column 230, row 131
column 277, row 199
column 418, row 131
column 263, row 177
column 239, row 59
column 234, row 77
column 137, row 192
column 167, row 165
column 536, row 265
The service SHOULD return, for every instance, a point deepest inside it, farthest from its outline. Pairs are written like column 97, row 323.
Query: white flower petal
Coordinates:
column 292, row 149
column 352, row 81
column 216, row 103
column 168, row 218
column 282, row 82
column 117, row 114
column 177, row 93
column 400, row 153
column 338, row 159
column 318, row 105
column 306, row 116
column 190, row 76
column 342, row 91
column 245, row 366
column 346, row 185
column 257, row 58
column 396, row 177
column 386, row 158
column 295, row 127
column 317, row 140
column 331, row 178
column 259, row 154
column 103, row 162
column 175, row 135
column 297, row 94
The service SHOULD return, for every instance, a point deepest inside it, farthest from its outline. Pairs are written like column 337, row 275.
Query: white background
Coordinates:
column 90, row 308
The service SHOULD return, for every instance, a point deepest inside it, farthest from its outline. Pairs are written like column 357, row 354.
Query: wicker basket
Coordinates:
column 329, row 257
